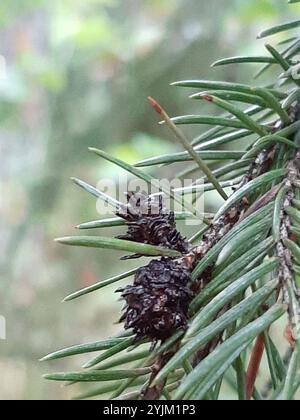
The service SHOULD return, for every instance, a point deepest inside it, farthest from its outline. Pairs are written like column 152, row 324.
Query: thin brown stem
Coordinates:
column 188, row 147
column 254, row 364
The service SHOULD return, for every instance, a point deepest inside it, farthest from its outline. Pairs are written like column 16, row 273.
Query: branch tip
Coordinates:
column 155, row 105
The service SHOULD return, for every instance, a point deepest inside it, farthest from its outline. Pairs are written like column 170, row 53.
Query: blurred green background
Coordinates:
column 76, row 73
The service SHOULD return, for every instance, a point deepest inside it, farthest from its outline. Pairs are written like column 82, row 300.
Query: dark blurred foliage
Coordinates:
column 77, row 74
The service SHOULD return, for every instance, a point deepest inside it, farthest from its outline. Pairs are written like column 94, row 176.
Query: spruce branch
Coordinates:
column 193, row 312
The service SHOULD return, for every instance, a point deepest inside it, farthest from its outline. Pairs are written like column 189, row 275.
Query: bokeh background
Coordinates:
column 76, row 73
